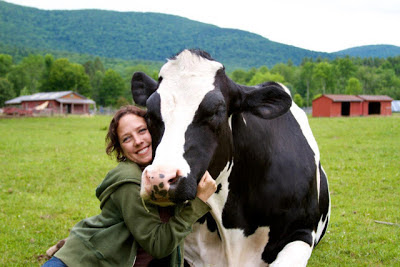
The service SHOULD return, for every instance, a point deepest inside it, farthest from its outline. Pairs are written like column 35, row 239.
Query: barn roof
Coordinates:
column 375, row 97
column 50, row 96
column 343, row 98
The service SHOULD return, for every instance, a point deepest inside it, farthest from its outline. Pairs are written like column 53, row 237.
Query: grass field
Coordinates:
column 50, row 168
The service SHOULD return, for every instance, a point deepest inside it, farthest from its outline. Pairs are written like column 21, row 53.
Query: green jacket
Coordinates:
column 112, row 237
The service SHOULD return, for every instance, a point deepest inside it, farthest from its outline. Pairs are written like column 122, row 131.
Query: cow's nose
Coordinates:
column 161, row 180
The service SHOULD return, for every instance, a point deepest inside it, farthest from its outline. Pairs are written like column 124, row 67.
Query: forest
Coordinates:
column 110, row 86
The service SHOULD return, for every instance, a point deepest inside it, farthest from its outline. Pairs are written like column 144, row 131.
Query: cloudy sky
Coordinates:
column 319, row 25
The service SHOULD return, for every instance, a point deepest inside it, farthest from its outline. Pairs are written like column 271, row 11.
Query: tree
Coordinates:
column 121, row 101
column 388, row 83
column 241, row 76
column 287, row 71
column 98, row 65
column 19, row 78
column 5, row 64
column 96, row 83
column 6, row 91
column 306, row 75
column 45, row 85
column 345, row 69
column 298, row 100
column 353, row 87
column 66, row 76
column 323, row 75
column 369, row 78
column 27, row 74
column 112, row 87
column 261, row 77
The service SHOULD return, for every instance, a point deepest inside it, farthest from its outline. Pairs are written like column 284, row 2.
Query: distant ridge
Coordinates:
column 381, row 51
column 144, row 36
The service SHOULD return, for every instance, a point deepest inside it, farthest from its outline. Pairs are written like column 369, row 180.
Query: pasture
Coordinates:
column 50, row 168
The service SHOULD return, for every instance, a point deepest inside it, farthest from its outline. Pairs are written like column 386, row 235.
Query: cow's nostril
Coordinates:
column 173, row 180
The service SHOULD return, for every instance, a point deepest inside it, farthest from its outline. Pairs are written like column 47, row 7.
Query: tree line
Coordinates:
column 37, row 73
column 110, row 87
column 343, row 75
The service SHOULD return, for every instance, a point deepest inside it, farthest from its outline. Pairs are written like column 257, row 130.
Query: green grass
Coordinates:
column 50, row 168
column 362, row 159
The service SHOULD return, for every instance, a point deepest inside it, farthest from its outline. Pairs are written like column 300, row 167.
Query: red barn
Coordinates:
column 351, row 105
column 376, row 105
column 65, row 102
column 336, row 106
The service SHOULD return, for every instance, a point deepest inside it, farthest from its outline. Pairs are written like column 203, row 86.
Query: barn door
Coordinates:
column 345, row 109
column 374, row 108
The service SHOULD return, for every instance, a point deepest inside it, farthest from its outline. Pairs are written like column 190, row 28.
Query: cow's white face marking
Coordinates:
column 185, row 81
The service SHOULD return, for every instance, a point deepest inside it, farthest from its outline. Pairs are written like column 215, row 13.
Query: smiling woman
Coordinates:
column 129, row 137
column 127, row 232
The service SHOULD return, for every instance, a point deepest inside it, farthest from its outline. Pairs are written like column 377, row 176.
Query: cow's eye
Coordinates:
column 217, row 117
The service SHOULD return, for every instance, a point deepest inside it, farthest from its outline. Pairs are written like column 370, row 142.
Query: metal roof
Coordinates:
column 75, row 101
column 50, row 96
column 375, row 97
column 344, row 98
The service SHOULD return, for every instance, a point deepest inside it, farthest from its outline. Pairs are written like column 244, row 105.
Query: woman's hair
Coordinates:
column 112, row 141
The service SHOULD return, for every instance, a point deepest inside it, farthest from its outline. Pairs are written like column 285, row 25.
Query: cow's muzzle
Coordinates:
column 159, row 184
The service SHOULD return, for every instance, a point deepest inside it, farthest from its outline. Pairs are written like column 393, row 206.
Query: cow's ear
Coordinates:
column 267, row 100
column 142, row 86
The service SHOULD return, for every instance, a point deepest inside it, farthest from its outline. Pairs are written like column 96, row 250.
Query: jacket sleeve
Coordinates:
column 157, row 238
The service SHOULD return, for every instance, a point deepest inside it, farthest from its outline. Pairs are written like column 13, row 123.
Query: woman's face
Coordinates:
column 135, row 139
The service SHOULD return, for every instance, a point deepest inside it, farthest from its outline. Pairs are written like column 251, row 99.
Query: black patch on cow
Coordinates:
column 219, row 186
column 154, row 121
column 211, row 223
column 208, row 134
column 142, row 86
column 282, row 194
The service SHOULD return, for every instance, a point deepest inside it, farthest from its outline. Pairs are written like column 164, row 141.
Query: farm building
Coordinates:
column 65, row 102
column 376, row 105
column 351, row 105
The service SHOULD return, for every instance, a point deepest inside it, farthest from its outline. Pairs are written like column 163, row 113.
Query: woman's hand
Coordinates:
column 206, row 187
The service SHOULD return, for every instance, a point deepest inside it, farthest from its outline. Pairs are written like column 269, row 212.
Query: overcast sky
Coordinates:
column 319, row 25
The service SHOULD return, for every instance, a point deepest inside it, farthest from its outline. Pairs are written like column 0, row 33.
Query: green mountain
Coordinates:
column 138, row 36
column 382, row 51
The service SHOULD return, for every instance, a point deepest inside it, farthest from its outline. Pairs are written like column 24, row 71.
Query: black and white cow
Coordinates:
column 272, row 204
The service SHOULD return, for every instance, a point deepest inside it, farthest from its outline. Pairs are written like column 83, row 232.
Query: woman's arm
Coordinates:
column 158, row 238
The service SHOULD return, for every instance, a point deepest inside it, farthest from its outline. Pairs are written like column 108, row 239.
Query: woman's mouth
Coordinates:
column 143, row 150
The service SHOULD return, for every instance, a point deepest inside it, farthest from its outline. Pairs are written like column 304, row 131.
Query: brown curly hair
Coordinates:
column 112, row 141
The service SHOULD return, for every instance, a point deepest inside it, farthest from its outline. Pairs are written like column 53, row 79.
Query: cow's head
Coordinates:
column 188, row 111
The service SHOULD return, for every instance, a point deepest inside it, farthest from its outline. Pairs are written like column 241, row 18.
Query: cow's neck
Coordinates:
column 223, row 155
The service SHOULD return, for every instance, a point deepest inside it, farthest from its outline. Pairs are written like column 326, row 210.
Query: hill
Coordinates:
column 138, row 36
column 382, row 51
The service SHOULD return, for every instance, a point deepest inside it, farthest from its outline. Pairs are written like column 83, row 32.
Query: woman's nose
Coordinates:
column 137, row 140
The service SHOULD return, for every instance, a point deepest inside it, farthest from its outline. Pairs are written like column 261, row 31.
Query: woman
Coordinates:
column 128, row 232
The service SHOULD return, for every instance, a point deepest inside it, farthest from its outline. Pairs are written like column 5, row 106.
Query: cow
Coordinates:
column 272, row 203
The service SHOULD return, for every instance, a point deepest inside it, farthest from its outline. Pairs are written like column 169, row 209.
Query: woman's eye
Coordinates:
column 126, row 139
column 143, row 130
